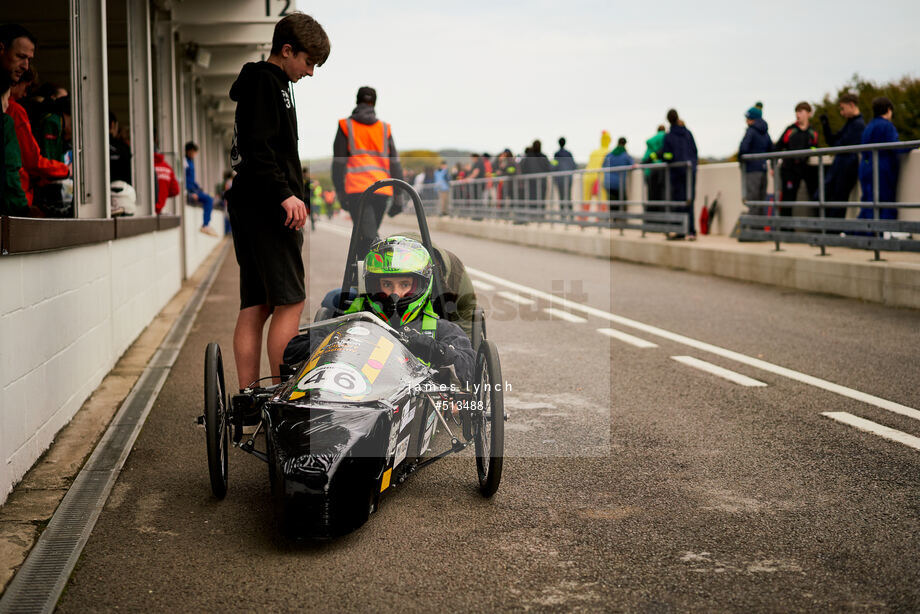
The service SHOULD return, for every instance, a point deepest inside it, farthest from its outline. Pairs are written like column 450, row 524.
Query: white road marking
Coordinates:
column 334, row 228
column 871, row 427
column 696, row 363
column 516, row 298
column 636, row 341
column 564, row 315
column 481, row 285
column 804, row 378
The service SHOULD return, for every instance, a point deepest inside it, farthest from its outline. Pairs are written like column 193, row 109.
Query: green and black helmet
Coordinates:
column 398, row 256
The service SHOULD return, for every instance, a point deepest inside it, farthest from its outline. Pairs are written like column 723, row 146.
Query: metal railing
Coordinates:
column 558, row 198
column 780, row 226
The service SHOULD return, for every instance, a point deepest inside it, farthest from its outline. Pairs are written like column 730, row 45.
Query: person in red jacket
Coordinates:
column 35, row 167
column 167, row 186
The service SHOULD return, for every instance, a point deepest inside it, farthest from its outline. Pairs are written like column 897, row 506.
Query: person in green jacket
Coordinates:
column 654, row 178
column 54, row 130
column 12, row 197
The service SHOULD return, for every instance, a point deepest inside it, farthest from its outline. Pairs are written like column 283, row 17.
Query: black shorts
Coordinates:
column 269, row 255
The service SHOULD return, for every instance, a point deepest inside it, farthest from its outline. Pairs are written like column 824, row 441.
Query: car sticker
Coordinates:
column 335, row 377
column 429, row 431
column 401, row 451
column 316, row 354
column 377, row 359
column 394, row 435
column 408, row 412
column 359, row 330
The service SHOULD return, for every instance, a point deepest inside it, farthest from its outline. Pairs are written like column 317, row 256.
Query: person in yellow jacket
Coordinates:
column 594, row 182
column 363, row 153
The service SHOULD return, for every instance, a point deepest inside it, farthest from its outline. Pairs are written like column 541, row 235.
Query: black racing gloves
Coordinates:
column 428, row 348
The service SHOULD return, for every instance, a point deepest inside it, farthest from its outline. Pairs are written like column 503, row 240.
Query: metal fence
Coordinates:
column 825, row 222
column 559, row 198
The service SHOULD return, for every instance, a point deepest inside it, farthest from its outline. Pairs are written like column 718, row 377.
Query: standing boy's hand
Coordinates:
column 296, row 212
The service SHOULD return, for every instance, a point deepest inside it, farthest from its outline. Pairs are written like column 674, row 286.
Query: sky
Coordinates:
column 483, row 76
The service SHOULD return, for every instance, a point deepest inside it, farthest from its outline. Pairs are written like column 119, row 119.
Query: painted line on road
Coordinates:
column 334, row 228
column 621, row 336
column 564, row 315
column 516, row 298
column 702, row 365
column 872, row 427
column 481, row 285
column 763, row 365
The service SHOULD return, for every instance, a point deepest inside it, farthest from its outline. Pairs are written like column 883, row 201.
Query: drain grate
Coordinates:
column 40, row 581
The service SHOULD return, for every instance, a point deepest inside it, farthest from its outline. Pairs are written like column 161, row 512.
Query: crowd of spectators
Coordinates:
column 677, row 183
column 36, row 152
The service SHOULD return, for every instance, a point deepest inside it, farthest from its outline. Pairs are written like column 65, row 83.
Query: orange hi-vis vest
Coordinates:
column 369, row 159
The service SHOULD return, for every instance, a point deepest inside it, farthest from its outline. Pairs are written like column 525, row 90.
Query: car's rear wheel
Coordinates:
column 489, row 419
column 216, row 419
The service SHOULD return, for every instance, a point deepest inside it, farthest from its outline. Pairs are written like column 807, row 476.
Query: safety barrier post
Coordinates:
column 821, row 197
column 875, row 197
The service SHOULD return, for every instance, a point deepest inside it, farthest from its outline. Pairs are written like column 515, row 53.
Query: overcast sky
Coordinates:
column 488, row 75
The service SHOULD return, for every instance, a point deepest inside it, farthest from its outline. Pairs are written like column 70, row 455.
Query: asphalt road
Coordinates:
column 633, row 481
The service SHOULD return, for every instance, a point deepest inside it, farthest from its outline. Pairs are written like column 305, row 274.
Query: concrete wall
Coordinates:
column 725, row 178
column 65, row 318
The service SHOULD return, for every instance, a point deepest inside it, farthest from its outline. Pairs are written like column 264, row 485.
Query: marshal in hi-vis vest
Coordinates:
column 369, row 155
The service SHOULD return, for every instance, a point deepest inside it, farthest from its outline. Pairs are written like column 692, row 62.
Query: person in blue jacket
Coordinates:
column 195, row 193
column 880, row 130
column 756, row 140
column 564, row 161
column 841, row 177
column 615, row 181
column 679, row 146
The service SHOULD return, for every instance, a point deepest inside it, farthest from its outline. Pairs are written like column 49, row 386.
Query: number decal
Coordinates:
column 334, row 377
column 284, row 11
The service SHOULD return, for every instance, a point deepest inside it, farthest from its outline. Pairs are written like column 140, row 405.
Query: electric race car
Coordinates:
column 358, row 416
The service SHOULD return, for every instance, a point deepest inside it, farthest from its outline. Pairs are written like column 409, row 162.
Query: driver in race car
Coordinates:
column 398, row 279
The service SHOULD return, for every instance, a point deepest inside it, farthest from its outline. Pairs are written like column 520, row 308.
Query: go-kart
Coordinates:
column 357, row 417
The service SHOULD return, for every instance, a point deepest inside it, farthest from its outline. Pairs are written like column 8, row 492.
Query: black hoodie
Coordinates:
column 264, row 151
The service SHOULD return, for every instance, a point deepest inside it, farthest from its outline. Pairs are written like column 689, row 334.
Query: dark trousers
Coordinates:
column 564, row 187
column 681, row 191
column 655, row 183
column 375, row 207
column 792, row 176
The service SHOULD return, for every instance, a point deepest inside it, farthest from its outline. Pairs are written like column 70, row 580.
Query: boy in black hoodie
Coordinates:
column 267, row 211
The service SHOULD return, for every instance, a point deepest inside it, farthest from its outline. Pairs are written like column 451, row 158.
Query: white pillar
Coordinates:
column 89, row 98
column 140, row 83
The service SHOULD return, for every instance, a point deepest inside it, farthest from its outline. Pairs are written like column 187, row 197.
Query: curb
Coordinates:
column 894, row 282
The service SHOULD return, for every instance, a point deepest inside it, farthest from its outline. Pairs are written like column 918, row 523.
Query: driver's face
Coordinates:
column 401, row 286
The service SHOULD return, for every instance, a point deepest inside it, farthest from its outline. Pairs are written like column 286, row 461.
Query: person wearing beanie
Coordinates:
column 756, row 140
